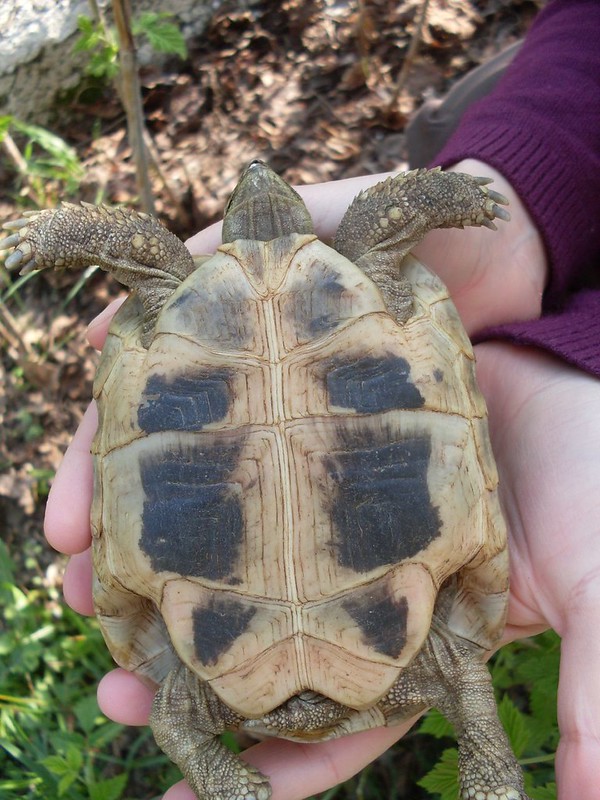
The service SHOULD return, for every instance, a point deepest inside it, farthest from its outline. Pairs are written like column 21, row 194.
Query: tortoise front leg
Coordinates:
column 394, row 215
column 139, row 251
column 385, row 222
column 450, row 676
column 186, row 719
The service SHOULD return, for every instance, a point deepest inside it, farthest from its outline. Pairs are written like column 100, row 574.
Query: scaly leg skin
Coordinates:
column 385, row 222
column 450, row 676
column 394, row 215
column 186, row 719
column 139, row 251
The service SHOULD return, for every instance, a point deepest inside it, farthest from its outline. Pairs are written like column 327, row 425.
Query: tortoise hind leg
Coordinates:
column 186, row 719
column 450, row 675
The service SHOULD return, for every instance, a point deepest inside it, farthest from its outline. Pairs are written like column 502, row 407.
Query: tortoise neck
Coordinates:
column 263, row 207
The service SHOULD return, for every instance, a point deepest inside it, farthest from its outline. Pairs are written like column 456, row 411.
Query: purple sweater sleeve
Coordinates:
column 540, row 127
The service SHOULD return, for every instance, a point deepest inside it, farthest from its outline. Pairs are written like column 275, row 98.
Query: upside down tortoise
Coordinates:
column 296, row 528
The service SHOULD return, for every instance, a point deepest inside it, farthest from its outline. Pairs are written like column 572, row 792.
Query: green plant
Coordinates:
column 101, row 44
column 46, row 165
column 54, row 742
column 525, row 676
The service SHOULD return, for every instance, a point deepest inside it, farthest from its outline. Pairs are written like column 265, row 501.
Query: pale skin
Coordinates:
column 546, row 434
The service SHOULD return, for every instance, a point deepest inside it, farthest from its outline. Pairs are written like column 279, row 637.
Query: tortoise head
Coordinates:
column 263, row 207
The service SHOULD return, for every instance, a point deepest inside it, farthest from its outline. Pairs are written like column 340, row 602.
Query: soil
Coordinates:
column 314, row 87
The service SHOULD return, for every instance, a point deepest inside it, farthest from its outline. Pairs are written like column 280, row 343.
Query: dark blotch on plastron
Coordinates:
column 370, row 385
column 381, row 619
column 381, row 508
column 317, row 305
column 192, row 522
column 217, row 626
column 438, row 375
column 184, row 402
column 218, row 316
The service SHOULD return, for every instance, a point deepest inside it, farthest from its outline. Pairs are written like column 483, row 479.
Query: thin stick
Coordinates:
column 131, row 97
column 409, row 57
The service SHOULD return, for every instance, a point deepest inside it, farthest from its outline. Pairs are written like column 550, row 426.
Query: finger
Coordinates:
column 205, row 241
column 77, row 583
column 297, row 770
column 124, row 698
column 98, row 327
column 67, row 520
column 578, row 753
column 180, row 791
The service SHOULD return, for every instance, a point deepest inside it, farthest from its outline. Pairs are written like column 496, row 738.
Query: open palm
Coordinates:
column 545, row 425
column 546, row 435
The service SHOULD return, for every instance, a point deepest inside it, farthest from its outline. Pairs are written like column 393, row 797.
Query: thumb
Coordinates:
column 98, row 327
column 578, row 753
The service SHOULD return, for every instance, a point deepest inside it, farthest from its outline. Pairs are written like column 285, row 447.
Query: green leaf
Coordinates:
column 515, row 724
column 538, row 669
column 49, row 141
column 6, row 565
column 74, row 757
column 164, row 37
column 5, row 123
column 103, row 64
column 56, row 764
column 101, row 45
column 547, row 792
column 105, row 734
column 436, row 724
column 443, row 778
column 109, row 789
column 231, row 741
column 65, row 782
column 87, row 712
column 85, row 24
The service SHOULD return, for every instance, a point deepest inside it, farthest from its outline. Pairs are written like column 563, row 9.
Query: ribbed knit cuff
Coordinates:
column 573, row 334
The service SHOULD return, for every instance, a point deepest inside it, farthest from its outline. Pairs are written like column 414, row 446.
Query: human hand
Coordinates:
column 545, row 432
column 295, row 770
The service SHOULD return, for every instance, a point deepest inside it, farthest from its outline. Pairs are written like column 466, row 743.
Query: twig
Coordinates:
column 131, row 97
column 10, row 332
column 142, row 145
column 409, row 57
column 96, row 12
column 13, row 152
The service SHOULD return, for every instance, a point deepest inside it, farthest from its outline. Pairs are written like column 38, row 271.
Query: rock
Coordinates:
column 37, row 38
